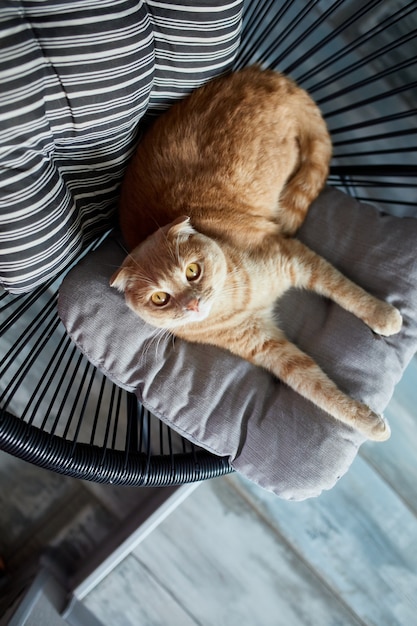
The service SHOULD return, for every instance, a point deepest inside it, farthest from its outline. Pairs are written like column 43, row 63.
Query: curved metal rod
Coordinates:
column 104, row 465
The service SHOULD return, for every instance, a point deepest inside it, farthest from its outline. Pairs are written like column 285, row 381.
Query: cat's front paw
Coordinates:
column 372, row 425
column 386, row 320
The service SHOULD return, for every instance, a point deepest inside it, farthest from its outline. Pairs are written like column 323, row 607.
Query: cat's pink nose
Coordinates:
column 192, row 305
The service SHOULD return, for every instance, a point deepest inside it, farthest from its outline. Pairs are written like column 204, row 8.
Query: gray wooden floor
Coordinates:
column 232, row 553
column 235, row 554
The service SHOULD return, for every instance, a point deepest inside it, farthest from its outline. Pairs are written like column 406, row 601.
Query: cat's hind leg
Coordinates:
column 300, row 372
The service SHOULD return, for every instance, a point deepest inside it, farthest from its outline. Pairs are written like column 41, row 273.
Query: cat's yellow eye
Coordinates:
column 160, row 298
column 192, row 271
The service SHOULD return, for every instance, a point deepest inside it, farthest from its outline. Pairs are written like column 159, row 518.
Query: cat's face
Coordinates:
column 173, row 277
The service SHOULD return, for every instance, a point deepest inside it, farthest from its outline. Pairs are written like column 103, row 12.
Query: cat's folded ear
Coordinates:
column 119, row 279
column 181, row 227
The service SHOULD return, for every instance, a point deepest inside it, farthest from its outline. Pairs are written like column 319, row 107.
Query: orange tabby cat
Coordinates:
column 228, row 175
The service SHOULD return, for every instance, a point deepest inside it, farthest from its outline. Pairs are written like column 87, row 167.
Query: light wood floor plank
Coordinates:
column 132, row 596
column 228, row 566
column 359, row 537
column 396, row 459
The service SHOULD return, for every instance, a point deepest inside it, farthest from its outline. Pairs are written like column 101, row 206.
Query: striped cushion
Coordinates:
column 76, row 78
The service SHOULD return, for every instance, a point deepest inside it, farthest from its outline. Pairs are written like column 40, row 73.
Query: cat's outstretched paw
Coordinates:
column 373, row 426
column 386, row 320
column 380, row 431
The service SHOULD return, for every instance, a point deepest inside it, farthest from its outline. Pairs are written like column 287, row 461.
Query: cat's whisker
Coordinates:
column 146, row 348
column 153, row 218
column 112, row 266
column 156, row 338
column 168, row 334
column 139, row 273
column 174, row 257
column 138, row 269
column 143, row 278
column 130, row 256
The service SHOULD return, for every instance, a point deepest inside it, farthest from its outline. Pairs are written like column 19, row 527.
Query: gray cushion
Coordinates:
column 271, row 435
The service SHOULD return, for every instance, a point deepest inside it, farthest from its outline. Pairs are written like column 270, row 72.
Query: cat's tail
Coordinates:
column 309, row 178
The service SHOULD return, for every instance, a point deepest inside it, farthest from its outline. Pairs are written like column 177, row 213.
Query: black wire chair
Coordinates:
column 359, row 63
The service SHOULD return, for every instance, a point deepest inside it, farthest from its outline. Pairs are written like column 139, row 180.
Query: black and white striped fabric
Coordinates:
column 76, row 77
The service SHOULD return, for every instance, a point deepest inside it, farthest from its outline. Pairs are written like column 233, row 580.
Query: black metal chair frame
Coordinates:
column 358, row 62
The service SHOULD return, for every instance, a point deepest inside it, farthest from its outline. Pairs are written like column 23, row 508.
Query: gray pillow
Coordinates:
column 270, row 434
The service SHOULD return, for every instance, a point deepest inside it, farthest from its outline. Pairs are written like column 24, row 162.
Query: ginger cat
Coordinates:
column 209, row 205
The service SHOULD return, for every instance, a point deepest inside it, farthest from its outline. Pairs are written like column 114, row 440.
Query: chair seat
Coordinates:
column 57, row 409
column 61, row 413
